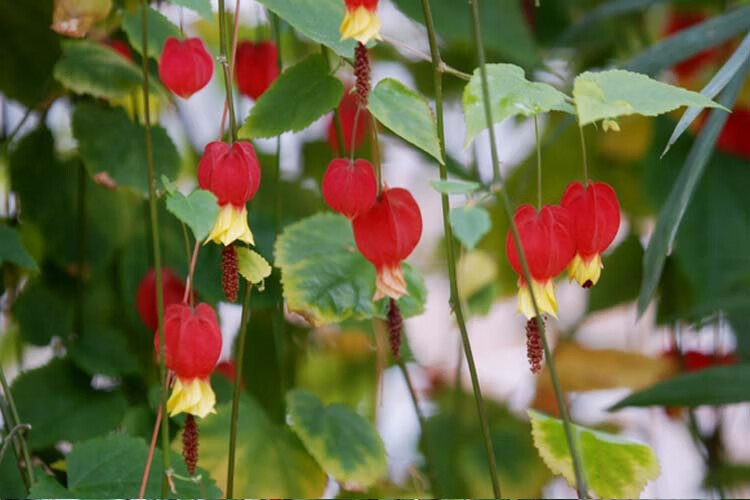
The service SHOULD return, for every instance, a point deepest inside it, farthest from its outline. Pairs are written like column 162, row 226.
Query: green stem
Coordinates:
column 11, row 437
column 455, row 301
column 426, row 438
column 498, row 179
column 223, row 50
column 239, row 360
column 14, row 422
column 585, row 157
column 336, row 115
column 376, row 154
column 538, row 163
column 165, row 441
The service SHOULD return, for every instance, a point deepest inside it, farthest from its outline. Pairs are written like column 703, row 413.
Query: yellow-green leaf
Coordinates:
column 253, row 267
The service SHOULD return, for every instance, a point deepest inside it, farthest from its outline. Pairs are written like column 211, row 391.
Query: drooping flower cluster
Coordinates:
column 185, row 67
column 361, row 21
column 256, row 67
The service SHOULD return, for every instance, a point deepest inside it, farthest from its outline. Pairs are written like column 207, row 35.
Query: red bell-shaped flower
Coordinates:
column 596, row 219
column 192, row 347
column 548, row 245
column 185, row 66
column 233, row 175
column 256, row 67
column 349, row 187
column 387, row 234
column 173, row 290
column 347, row 113
column 361, row 20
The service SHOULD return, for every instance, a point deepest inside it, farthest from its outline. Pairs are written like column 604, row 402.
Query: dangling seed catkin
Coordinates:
column 534, row 348
column 230, row 278
column 362, row 73
column 395, row 324
column 190, row 444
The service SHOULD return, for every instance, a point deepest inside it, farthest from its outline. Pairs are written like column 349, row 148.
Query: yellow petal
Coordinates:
column 545, row 298
column 390, row 282
column 361, row 24
column 231, row 225
column 586, row 273
column 191, row 396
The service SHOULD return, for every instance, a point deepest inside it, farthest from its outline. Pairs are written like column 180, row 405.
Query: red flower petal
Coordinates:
column 350, row 187
column 233, row 175
column 256, row 67
column 596, row 216
column 192, row 340
column 185, row 66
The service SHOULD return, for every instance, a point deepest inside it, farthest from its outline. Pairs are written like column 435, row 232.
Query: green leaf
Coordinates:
column 103, row 350
column 202, row 7
column 253, row 267
column 159, row 29
column 511, row 94
column 345, row 444
column 636, row 464
column 12, row 250
column 271, row 461
column 41, row 315
column 407, row 114
column 111, row 144
column 312, row 92
column 11, row 483
column 93, row 68
column 470, row 224
column 682, row 191
column 112, row 467
column 58, row 402
column 713, row 386
column 48, row 487
column 198, row 210
column 614, row 93
column 326, row 279
column 454, row 186
column 318, row 20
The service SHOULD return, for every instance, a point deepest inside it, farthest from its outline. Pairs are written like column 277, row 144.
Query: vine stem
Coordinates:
column 231, row 67
column 455, row 300
column 10, row 436
column 585, row 157
column 150, row 456
column 431, row 471
column 156, row 243
column 13, row 423
column 191, row 272
column 538, row 164
column 498, row 179
column 376, row 154
column 227, row 72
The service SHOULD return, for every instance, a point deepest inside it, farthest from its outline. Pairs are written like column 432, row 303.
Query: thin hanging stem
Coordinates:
column 455, row 301
column 225, row 63
column 336, row 115
column 584, row 156
column 231, row 66
column 239, row 360
column 165, row 441
column 191, row 273
column 498, row 179
column 353, row 140
column 426, row 438
column 538, row 164
column 14, row 422
column 150, row 456
column 11, row 436
column 376, row 155
column 442, row 67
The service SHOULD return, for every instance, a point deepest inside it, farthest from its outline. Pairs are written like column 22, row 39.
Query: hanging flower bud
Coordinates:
column 361, row 20
column 256, row 67
column 173, row 289
column 349, row 187
column 233, row 175
column 596, row 218
column 548, row 244
column 192, row 346
column 185, row 66
column 347, row 114
column 387, row 234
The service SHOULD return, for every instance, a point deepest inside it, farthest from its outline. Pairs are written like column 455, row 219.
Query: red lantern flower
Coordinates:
column 256, row 67
column 678, row 21
column 233, row 175
column 349, row 187
column 185, row 66
column 387, row 234
column 173, row 289
column 192, row 343
column 347, row 114
column 596, row 219
column 733, row 137
column 548, row 244
column 361, row 20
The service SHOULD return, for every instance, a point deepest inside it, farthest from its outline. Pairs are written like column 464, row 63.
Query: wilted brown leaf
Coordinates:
column 74, row 18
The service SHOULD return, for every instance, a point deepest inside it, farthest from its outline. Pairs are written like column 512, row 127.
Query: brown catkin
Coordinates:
column 534, row 348
column 190, row 443
column 395, row 324
column 230, row 278
column 362, row 73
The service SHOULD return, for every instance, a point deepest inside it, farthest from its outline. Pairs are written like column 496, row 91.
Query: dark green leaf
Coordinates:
column 301, row 95
column 198, row 210
column 11, row 483
column 41, row 315
column 470, row 224
column 407, row 114
column 103, row 350
column 48, row 487
column 713, row 386
column 159, row 29
column 202, row 7
column 12, row 250
column 345, row 444
column 110, row 144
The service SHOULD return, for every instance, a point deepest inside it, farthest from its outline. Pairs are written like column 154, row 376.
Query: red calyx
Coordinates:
column 256, row 67
column 232, row 174
column 367, row 4
column 347, row 113
column 185, row 66
column 173, row 289
column 388, row 232
column 546, row 239
column 596, row 216
column 192, row 340
column 349, row 187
